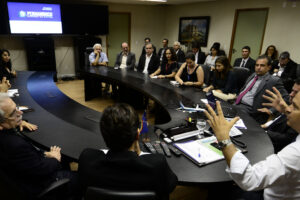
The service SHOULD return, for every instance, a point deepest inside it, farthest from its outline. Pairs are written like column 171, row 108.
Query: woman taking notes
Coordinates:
column 190, row 74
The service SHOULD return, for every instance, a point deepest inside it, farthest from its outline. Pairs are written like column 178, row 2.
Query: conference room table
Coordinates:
column 62, row 121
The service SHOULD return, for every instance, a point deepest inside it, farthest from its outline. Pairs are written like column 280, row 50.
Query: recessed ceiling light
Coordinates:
column 155, row 0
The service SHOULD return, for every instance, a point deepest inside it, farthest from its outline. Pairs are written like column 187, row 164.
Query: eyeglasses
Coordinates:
column 13, row 113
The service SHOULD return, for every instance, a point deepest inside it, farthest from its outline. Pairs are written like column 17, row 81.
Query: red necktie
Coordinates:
column 238, row 100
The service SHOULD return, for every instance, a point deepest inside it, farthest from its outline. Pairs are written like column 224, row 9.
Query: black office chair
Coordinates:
column 207, row 74
column 241, row 74
column 298, row 71
column 87, row 52
column 95, row 193
column 10, row 190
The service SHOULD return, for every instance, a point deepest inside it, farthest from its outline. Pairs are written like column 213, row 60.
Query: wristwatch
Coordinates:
column 224, row 143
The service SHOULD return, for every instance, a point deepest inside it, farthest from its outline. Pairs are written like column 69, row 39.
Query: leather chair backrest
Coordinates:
column 96, row 193
column 87, row 52
column 298, row 70
column 207, row 73
column 241, row 75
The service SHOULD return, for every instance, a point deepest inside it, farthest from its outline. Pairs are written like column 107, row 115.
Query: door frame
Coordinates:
column 235, row 25
column 129, row 29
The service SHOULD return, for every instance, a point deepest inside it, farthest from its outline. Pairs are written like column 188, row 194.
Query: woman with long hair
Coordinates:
column 5, row 65
column 224, row 81
column 169, row 65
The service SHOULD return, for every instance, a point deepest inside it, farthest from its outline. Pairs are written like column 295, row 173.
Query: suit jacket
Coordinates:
column 144, row 50
column 201, row 57
column 153, row 64
column 126, row 170
column 25, row 164
column 288, row 75
column 180, row 56
column 281, row 134
column 250, row 64
column 160, row 52
column 130, row 63
column 267, row 83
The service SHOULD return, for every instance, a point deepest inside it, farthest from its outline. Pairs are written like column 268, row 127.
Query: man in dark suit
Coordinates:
column 30, row 168
column 147, row 41
column 199, row 55
column 245, row 61
column 180, row 54
column 251, row 98
column 286, row 69
column 124, row 166
column 161, row 51
column 280, row 133
column 148, row 63
column 125, row 59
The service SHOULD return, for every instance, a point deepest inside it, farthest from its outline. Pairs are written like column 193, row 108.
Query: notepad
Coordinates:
column 200, row 151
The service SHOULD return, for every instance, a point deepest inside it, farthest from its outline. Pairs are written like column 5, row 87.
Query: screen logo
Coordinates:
column 22, row 14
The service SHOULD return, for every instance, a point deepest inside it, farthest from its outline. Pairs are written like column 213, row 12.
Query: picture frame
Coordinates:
column 194, row 29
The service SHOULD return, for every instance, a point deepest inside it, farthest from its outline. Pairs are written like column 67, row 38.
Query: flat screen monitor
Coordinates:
column 34, row 18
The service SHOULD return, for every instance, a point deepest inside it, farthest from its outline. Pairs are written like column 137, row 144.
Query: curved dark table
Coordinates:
column 74, row 127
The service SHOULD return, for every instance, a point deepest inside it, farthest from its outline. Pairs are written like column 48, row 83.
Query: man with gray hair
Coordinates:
column 30, row 168
column 98, row 58
column 179, row 52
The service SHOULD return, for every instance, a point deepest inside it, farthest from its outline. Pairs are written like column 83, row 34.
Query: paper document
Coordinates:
column 12, row 92
column 200, row 151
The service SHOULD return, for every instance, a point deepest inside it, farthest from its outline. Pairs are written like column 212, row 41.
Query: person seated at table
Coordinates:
column 251, row 98
column 278, row 174
column 30, row 168
column 224, row 81
column 211, row 58
column 272, row 53
column 123, row 166
column 125, row 59
column 168, row 66
column 190, row 73
column 149, row 62
column 97, row 57
column 6, row 66
column 4, row 85
column 279, row 132
column 199, row 55
column 179, row 53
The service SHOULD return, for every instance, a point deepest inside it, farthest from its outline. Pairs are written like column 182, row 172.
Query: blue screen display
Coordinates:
column 34, row 18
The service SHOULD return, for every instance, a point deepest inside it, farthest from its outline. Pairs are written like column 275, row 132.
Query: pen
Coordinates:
column 199, row 155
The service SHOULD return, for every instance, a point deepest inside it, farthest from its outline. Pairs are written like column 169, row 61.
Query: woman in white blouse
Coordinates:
column 211, row 58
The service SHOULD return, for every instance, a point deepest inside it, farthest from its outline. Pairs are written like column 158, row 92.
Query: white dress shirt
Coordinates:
column 148, row 58
column 196, row 57
column 279, row 174
column 123, row 62
column 210, row 61
column 245, row 61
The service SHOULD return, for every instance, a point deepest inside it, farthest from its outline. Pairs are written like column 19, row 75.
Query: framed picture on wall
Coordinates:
column 194, row 29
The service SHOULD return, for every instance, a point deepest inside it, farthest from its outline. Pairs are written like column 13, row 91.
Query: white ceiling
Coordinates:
column 169, row 2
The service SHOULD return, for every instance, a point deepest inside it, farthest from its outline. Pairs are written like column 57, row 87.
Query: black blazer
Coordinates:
column 130, row 63
column 281, row 134
column 201, row 57
column 160, row 52
column 24, row 164
column 153, row 64
column 126, row 170
column 250, row 64
column 288, row 75
column 267, row 83
column 180, row 56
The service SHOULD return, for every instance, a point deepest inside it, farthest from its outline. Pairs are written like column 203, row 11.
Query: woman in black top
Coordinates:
column 224, row 81
column 5, row 65
column 190, row 74
column 169, row 65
